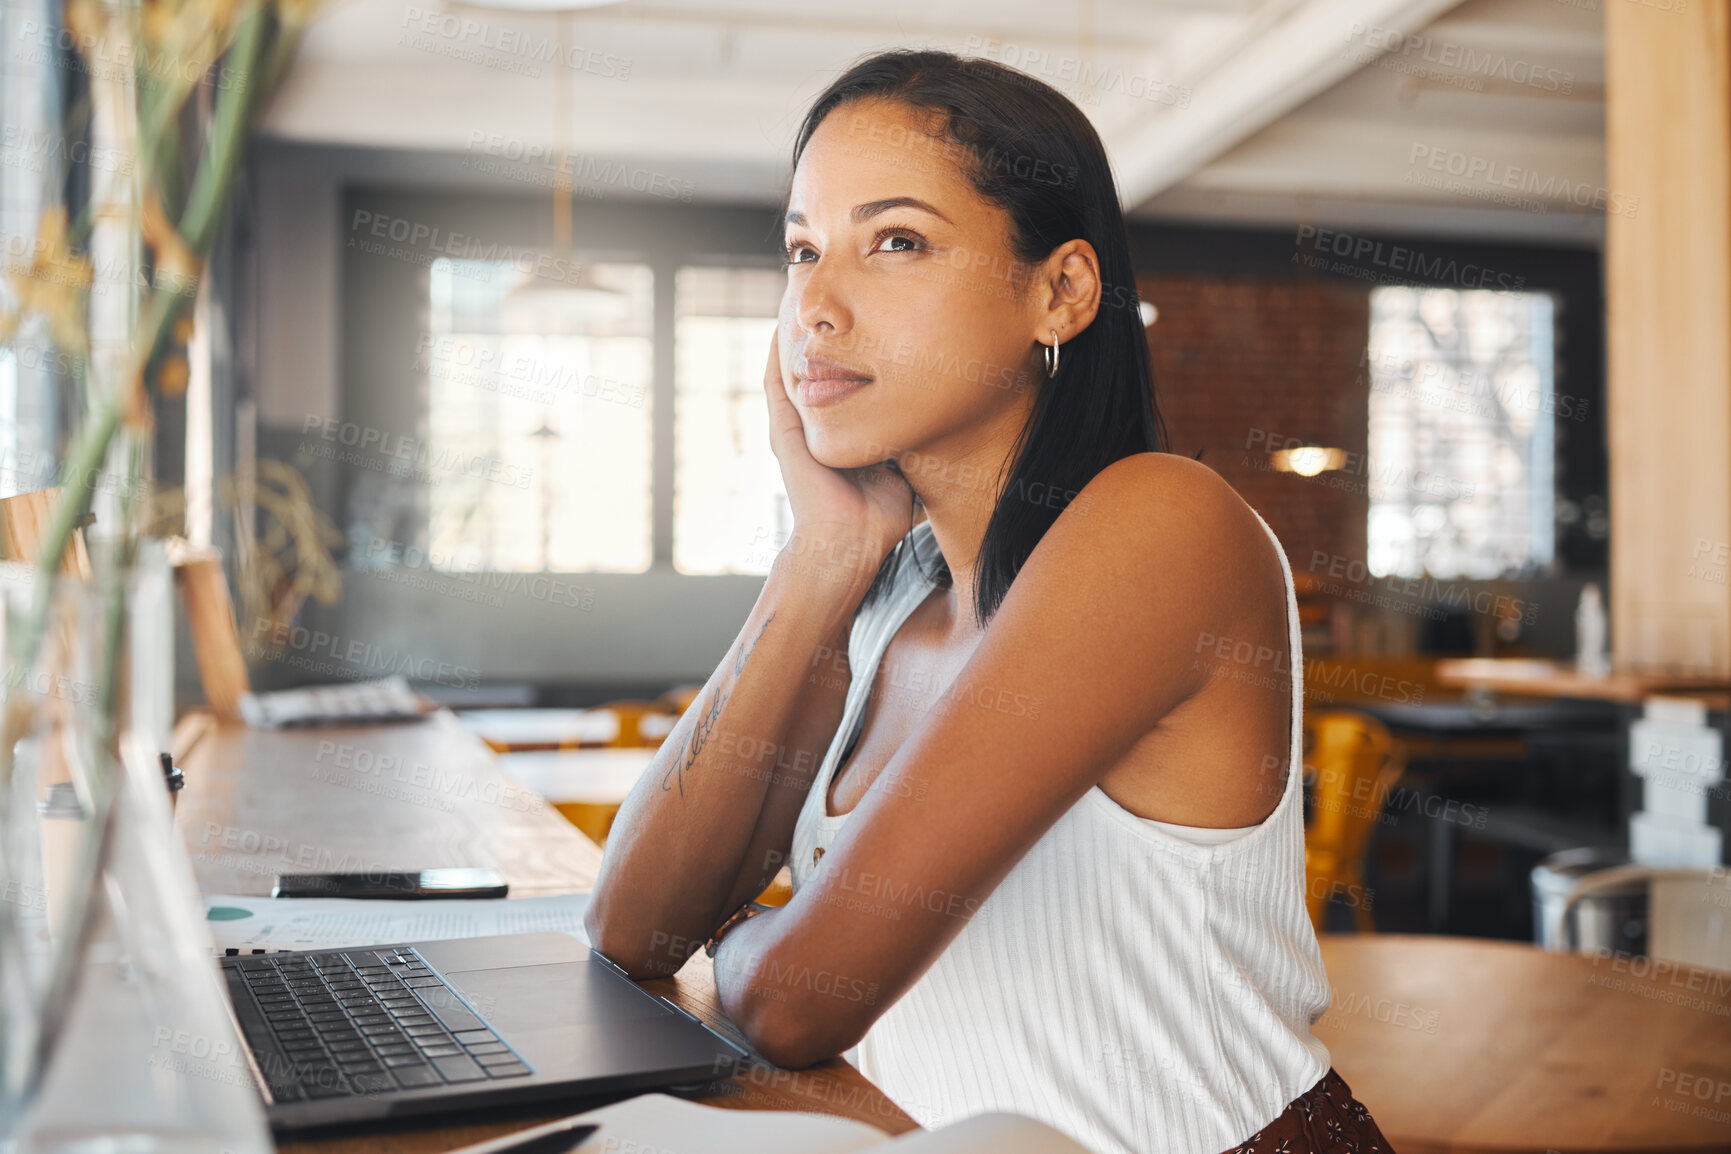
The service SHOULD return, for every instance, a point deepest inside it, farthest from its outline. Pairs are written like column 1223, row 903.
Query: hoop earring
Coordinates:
column 1051, row 355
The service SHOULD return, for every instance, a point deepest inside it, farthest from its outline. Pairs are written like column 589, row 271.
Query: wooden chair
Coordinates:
column 215, row 637
column 24, row 523
column 210, row 613
column 1356, row 764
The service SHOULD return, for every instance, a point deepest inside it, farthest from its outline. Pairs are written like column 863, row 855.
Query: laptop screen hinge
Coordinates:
column 610, row 964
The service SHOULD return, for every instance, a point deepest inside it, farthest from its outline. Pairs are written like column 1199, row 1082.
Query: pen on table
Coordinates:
column 551, row 1138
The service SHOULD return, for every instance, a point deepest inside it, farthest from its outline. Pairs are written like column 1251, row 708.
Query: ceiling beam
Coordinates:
column 1311, row 47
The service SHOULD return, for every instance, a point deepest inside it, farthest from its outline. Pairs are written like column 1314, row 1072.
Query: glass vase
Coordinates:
column 117, row 1037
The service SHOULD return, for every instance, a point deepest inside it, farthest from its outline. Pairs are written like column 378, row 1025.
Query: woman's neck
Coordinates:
column 958, row 484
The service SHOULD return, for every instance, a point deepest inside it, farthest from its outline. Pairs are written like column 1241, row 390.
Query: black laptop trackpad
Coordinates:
column 549, row 997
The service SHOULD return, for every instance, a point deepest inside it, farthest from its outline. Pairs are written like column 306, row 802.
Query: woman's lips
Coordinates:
column 819, row 382
column 814, row 392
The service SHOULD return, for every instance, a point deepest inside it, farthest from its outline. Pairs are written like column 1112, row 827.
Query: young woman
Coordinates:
column 1033, row 757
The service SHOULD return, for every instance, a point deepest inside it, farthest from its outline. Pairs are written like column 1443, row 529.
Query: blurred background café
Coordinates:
column 463, row 385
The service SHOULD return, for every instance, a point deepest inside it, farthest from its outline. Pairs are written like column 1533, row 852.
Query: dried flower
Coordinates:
column 177, row 268
column 173, row 375
column 52, row 283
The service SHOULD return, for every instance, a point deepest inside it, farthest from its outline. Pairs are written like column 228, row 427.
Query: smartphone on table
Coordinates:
column 430, row 883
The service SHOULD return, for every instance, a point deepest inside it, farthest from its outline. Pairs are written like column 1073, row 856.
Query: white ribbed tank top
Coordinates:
column 1139, row 991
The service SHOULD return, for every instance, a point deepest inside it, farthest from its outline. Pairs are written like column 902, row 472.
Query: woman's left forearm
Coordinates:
column 795, row 1011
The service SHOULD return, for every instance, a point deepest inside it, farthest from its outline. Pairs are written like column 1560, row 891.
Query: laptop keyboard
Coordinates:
column 329, row 1024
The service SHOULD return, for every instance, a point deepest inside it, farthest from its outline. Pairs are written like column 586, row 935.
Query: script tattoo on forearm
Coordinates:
column 710, row 717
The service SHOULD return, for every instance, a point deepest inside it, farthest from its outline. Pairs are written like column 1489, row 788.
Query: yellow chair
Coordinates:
column 630, row 715
column 1354, row 766
column 678, row 699
column 593, row 817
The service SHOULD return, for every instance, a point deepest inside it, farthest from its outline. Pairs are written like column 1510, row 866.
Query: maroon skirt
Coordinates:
column 1325, row 1119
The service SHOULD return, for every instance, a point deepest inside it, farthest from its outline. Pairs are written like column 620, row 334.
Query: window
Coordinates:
column 538, row 447
column 730, row 510
column 31, row 169
column 1461, row 433
column 540, row 432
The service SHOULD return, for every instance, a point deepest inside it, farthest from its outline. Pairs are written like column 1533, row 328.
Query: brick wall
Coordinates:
column 1235, row 358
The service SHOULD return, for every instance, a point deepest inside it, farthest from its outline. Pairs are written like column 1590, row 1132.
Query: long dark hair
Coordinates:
column 1030, row 151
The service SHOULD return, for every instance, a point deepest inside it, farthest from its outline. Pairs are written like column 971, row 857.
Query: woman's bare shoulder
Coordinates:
column 1163, row 533
column 1175, row 502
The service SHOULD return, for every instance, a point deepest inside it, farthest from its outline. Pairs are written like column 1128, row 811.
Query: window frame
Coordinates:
column 1539, row 458
column 729, row 266
column 386, row 303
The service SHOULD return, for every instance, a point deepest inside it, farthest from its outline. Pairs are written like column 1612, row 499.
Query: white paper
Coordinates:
column 665, row 1125
column 659, row 1124
column 322, row 923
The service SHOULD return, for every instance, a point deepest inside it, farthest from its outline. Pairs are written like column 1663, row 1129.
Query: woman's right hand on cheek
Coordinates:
column 849, row 518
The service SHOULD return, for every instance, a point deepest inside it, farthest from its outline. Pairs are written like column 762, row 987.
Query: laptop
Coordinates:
column 342, row 1036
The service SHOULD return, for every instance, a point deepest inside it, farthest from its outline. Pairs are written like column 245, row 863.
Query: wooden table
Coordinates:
column 1538, row 678
column 1455, row 1045
column 1467, row 1045
column 600, row 776
column 426, row 794
column 586, row 786
column 521, row 729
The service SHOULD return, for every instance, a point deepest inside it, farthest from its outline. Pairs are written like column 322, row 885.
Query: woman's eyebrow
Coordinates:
column 864, row 212
column 871, row 208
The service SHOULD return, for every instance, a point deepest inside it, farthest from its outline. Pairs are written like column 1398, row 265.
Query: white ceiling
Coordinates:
column 1269, row 110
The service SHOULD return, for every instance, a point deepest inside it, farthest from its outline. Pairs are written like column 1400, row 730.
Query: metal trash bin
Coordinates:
column 1614, row 920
